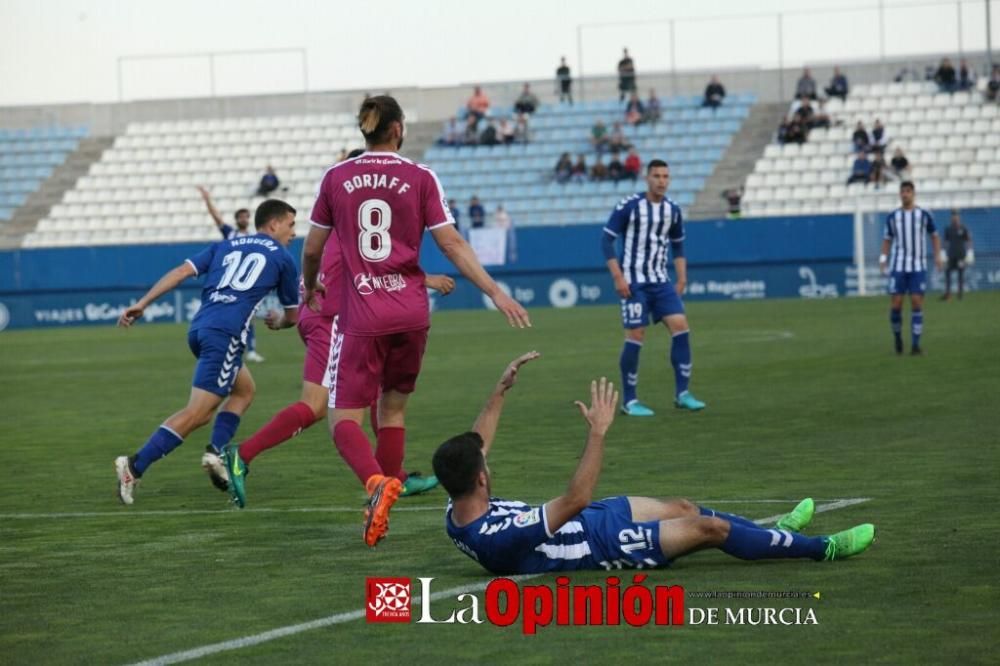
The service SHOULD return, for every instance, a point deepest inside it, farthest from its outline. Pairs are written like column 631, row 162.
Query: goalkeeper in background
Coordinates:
column 958, row 255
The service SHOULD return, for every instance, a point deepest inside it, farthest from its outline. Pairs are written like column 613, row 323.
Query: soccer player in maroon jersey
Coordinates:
column 379, row 204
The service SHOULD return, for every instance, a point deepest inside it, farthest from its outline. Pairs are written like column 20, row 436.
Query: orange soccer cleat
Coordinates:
column 383, row 491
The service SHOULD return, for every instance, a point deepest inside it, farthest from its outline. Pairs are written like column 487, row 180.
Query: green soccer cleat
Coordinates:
column 636, row 408
column 799, row 517
column 238, row 471
column 850, row 542
column 687, row 401
column 416, row 483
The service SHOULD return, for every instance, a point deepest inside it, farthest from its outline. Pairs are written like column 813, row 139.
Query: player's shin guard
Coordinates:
column 159, row 444
column 629, row 364
column 916, row 326
column 356, row 450
column 680, row 358
column 754, row 543
column 731, row 517
column 390, row 450
column 286, row 424
column 224, row 429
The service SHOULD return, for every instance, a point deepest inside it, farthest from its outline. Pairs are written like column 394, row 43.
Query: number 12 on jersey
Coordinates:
column 374, row 220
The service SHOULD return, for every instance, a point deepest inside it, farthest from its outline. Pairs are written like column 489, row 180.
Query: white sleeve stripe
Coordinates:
column 677, row 240
column 192, row 266
column 441, row 224
column 545, row 522
column 610, row 233
column 321, row 226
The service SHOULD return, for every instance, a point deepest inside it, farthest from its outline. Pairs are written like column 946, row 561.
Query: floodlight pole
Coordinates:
column 579, row 59
column 989, row 36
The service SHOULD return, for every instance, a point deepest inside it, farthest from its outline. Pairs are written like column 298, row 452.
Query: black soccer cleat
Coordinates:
column 916, row 351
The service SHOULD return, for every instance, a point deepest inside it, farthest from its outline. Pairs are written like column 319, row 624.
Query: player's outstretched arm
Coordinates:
column 600, row 415
column 162, row 286
column 489, row 417
column 461, row 255
column 212, row 210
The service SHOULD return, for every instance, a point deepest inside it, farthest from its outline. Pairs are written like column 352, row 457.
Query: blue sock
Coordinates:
column 629, row 364
column 680, row 358
column 224, row 429
column 896, row 319
column 756, row 543
column 916, row 325
column 731, row 517
column 159, row 444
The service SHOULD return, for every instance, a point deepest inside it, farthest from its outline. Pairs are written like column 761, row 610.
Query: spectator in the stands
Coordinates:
column 634, row 110
column 626, row 75
column 598, row 172
column 477, row 214
column 860, row 138
column 471, row 137
column 579, row 171
column 268, row 182
column 522, row 133
column 966, row 77
column 805, row 112
column 564, row 82
column 527, row 101
column 599, row 136
column 820, row 117
column 455, row 213
column 714, row 93
column 343, row 155
column 791, row 131
column 616, row 170
column 479, row 104
column 945, row 77
column 451, row 135
column 563, row 169
column 878, row 139
column 506, row 131
column 879, row 168
column 633, row 165
column 617, row 140
column 992, row 92
column 838, row 85
column 489, row 136
column 733, row 197
column 900, row 166
column 654, row 109
column 502, row 220
column 806, row 85
column 861, row 170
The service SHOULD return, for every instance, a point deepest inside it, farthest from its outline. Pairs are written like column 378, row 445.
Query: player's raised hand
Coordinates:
column 442, row 284
column 516, row 315
column 603, row 406
column 621, row 286
column 130, row 315
column 509, row 376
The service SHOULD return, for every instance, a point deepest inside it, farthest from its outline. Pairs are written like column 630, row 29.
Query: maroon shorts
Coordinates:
column 318, row 334
column 364, row 365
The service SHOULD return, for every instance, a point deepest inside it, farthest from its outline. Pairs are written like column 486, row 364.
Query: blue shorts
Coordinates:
column 220, row 357
column 907, row 282
column 619, row 542
column 656, row 300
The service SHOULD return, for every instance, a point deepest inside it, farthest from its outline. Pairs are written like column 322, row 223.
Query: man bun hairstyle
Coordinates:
column 272, row 209
column 655, row 163
column 457, row 463
column 376, row 116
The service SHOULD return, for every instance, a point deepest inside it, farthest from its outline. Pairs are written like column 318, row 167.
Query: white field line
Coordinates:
column 349, row 616
column 123, row 512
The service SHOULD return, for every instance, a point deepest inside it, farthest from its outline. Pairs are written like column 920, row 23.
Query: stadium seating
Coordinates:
column 518, row 176
column 952, row 142
column 143, row 188
column 27, row 158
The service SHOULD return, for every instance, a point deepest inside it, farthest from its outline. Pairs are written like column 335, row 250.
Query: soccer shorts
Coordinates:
column 616, row 541
column 318, row 334
column 220, row 357
column 956, row 263
column 656, row 300
column 908, row 282
column 366, row 364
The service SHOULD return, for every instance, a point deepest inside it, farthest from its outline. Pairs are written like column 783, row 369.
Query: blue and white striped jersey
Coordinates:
column 908, row 230
column 513, row 537
column 646, row 229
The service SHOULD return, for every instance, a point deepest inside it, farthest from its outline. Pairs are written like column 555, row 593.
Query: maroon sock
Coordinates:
column 356, row 450
column 390, row 450
column 286, row 424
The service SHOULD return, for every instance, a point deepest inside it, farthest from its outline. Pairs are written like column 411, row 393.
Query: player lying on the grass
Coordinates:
column 572, row 532
column 239, row 272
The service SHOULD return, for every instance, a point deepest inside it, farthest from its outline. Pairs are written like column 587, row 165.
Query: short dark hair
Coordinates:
column 356, row 152
column 457, row 463
column 270, row 210
column 655, row 163
column 907, row 184
column 239, row 212
column 375, row 117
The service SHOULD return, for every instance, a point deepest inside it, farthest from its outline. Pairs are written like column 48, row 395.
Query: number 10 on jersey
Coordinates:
column 374, row 220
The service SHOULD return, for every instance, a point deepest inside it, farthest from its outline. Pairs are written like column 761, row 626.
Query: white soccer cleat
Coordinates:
column 255, row 357
column 126, row 480
column 215, row 467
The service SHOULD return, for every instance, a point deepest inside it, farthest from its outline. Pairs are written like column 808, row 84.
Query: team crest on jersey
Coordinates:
column 528, row 518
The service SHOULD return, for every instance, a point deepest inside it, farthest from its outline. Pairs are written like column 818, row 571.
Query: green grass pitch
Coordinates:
column 805, row 399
